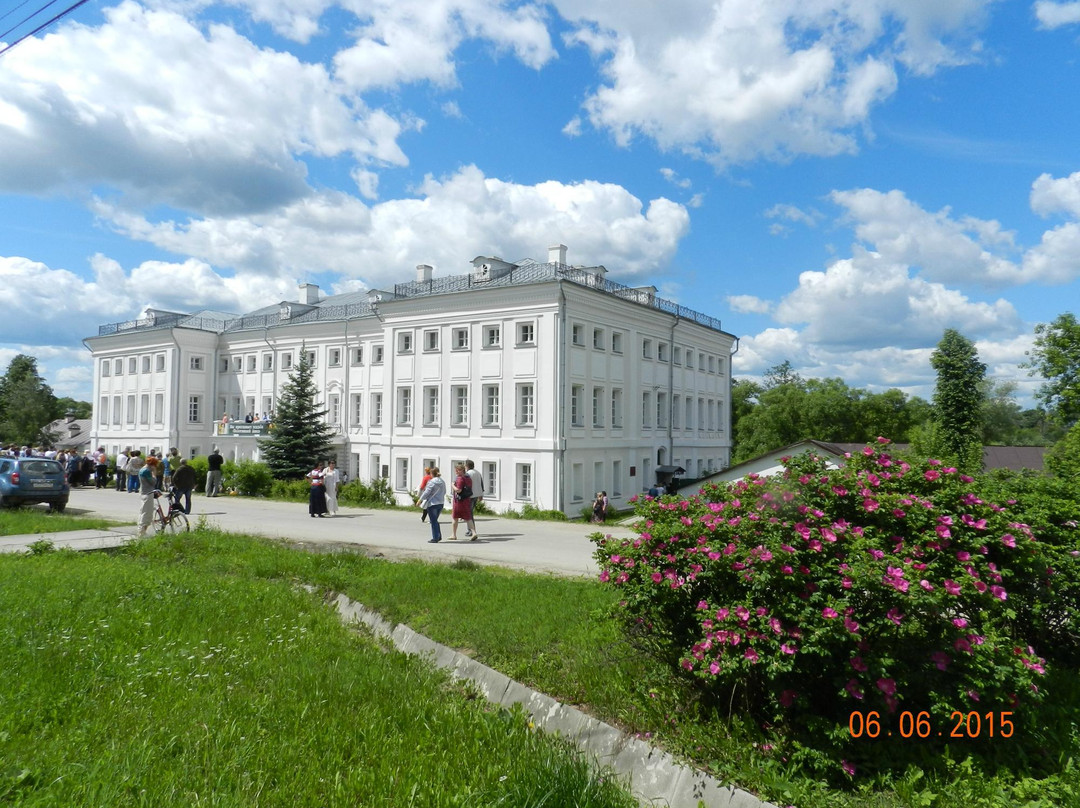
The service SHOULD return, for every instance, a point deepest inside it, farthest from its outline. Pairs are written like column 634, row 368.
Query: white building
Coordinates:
column 556, row 382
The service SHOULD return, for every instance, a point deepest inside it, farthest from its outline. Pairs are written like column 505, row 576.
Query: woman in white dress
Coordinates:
column 330, row 482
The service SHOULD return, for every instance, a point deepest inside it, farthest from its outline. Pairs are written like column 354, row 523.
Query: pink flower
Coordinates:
column 963, row 555
column 751, row 654
column 849, row 768
column 973, row 695
column 952, row 588
column 845, row 582
column 999, row 592
column 859, row 664
column 714, row 667
column 605, row 576
column 871, row 505
column 895, row 615
column 887, row 686
column 742, row 613
column 877, row 554
column 960, row 622
column 851, row 625
column 829, row 613
column 853, row 689
column 925, row 584
column 788, row 649
column 721, row 614
column 1008, row 540
column 657, row 577
column 941, row 660
column 931, row 475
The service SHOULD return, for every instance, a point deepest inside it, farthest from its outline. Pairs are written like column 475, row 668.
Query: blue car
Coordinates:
column 26, row 480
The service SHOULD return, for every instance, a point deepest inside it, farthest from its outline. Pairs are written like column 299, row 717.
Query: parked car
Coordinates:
column 26, row 480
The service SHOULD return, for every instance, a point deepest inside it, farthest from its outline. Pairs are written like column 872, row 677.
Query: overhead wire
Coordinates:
column 39, row 28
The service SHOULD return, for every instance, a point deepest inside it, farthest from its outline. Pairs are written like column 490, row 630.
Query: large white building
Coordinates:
column 556, row 382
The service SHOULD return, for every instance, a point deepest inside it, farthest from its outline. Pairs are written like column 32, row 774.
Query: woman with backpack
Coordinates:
column 462, row 502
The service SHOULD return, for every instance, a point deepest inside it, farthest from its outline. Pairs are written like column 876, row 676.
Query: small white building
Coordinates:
column 556, row 382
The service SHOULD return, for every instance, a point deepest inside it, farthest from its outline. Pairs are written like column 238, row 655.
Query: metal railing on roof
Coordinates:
column 160, row 322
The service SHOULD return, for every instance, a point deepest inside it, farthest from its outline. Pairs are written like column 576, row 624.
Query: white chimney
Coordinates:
column 423, row 273
column 309, row 293
column 557, row 254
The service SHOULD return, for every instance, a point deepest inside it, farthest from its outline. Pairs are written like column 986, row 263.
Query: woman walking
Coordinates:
column 431, row 500
column 317, row 495
column 330, row 483
column 462, row 502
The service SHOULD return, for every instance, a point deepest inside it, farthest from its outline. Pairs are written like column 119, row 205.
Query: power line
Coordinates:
column 41, row 27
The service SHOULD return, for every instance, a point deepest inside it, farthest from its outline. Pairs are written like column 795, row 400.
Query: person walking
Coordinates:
column 183, row 481
column 477, row 480
column 121, row 469
column 462, row 510
column 423, row 484
column 101, row 468
column 317, row 495
column 431, row 500
column 331, row 478
column 148, row 492
column 214, row 463
column 134, row 466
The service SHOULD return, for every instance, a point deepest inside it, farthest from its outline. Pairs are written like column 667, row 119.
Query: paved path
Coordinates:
column 558, row 547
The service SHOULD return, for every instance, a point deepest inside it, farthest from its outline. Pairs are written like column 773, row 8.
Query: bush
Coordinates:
column 376, row 494
column 883, row 586
column 200, row 466
column 248, row 478
column 290, row 490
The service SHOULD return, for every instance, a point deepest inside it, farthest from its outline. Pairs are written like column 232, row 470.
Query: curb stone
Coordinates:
column 653, row 776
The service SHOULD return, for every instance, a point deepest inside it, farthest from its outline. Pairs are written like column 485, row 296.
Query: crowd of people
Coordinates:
column 466, row 492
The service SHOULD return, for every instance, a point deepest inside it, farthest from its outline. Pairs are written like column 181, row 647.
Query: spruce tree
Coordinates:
column 958, row 400
column 300, row 436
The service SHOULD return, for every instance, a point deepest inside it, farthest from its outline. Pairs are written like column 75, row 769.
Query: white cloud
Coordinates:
column 790, row 213
column 1050, row 195
column 671, row 176
column 749, row 304
column 738, row 80
column 452, row 220
column 1054, row 15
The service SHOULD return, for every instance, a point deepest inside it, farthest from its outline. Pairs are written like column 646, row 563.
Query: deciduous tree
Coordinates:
column 958, row 398
column 27, row 403
column 1056, row 357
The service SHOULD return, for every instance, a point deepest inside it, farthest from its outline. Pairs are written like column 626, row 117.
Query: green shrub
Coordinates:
column 532, row 512
column 290, row 490
column 248, row 478
column 376, row 494
column 883, row 586
column 200, row 466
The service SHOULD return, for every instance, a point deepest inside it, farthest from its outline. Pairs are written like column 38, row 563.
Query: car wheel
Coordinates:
column 58, row 506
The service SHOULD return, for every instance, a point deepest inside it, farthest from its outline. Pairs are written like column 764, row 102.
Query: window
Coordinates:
column 145, row 364
column 712, row 364
column 159, row 408
column 689, row 423
column 376, row 354
column 616, row 408
column 268, row 361
column 676, row 413
column 132, row 365
column 461, row 339
column 526, row 405
column 577, row 404
column 334, row 359
column 310, row 357
column 130, row 409
column 701, row 415
column 106, row 368
column 159, row 362
column 701, row 362
column 646, row 410
column 577, row 334
column 492, row 336
column 598, row 406
column 661, row 409
column 103, row 411
column 646, row 349
column 404, row 342
column 491, row 405
column 598, row 339
column 577, row 482
column 490, row 474
column 677, row 358
column 616, row 478
column 252, row 363
column 237, row 364
column 523, row 472
column 223, row 364
column 431, row 340
column 118, row 367
column 459, row 395
column 616, row 342
column 357, row 355
column 116, row 414
column 194, row 415
column 401, row 477
column 598, row 476
column 267, row 405
column 689, row 359
column 286, row 361
column 431, row 406
column 526, row 333
column 376, row 409
column 662, row 351
column 376, row 471
column 357, row 408
column 334, row 410
column 404, row 405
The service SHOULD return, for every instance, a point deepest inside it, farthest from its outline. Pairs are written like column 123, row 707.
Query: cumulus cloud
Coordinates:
column 1060, row 195
column 1054, row 15
column 451, row 220
column 748, row 304
column 740, row 80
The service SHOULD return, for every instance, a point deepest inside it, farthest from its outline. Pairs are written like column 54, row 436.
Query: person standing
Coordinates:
column 423, row 484
column 183, row 480
column 330, row 483
column 600, row 506
column 462, row 509
column 477, row 480
column 148, row 492
column 213, row 476
column 121, row 469
column 431, row 500
column 101, row 468
column 317, row 495
column 134, row 466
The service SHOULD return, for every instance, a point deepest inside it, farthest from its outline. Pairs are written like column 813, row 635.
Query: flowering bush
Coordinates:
column 888, row 585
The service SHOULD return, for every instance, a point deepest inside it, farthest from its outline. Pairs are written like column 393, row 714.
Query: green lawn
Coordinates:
column 38, row 519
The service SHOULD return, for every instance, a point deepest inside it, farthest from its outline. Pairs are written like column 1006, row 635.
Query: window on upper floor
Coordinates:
column 268, row 361
column 118, row 367
column 577, row 334
column 662, row 351
column 646, row 349
column 431, row 340
column 106, row 368
column 598, row 341
column 252, row 363
column 145, row 364
column 460, row 339
column 492, row 336
column 286, row 361
column 159, row 362
column 491, row 405
column 404, row 342
column 310, row 357
column 526, row 405
column 334, row 358
column 616, row 342
column 357, row 355
column 526, row 333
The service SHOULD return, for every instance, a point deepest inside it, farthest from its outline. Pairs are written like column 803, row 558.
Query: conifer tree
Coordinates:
column 958, row 400
column 300, row 436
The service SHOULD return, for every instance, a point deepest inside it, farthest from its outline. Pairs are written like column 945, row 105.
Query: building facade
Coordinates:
column 555, row 381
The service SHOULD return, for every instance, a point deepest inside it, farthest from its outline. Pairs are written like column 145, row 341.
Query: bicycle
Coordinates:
column 175, row 521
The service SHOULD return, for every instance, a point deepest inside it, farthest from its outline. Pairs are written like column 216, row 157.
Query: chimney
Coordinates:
column 423, row 273
column 557, row 254
column 309, row 293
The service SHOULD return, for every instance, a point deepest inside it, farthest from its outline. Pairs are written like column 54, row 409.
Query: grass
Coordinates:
column 553, row 634
column 19, row 521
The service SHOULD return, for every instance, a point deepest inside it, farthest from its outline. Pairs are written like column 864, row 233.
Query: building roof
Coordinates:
column 70, row 434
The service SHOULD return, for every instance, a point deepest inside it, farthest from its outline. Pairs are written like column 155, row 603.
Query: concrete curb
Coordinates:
column 653, row 776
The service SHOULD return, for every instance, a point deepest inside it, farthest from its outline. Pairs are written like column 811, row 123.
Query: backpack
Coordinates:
column 465, row 492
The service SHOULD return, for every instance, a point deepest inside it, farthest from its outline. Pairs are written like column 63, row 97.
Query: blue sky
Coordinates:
column 837, row 182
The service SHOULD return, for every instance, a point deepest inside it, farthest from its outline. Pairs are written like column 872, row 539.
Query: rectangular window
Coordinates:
column 526, row 333
column 404, row 405
column 130, row 410
column 103, row 411
column 598, row 339
column 145, row 364
column 712, row 364
column 646, row 410
column 404, row 342
column 133, row 365
column 116, row 415
column 357, row 408
column 646, row 349
column 701, row 362
column 491, row 405
column 616, row 478
column 159, row 362
column 492, row 336
column 661, row 409
column 106, row 368
column 159, row 408
column 461, row 339
column 526, row 405
column 431, row 340
column 616, row 408
column 701, row 415
column 689, row 359
column 118, row 367
column 194, row 414
column 598, row 475
column 689, row 422
column 490, row 472
column 268, row 361
column 267, row 406
column 598, row 406
column 376, row 354
column 577, row 334
column 524, row 482
column 357, row 355
column 376, row 409
column 577, row 405
column 335, row 358
column 237, row 364
column 286, row 361
column 334, row 410
column 677, row 357
column 309, row 357
column 460, row 396
column 431, row 406
column 676, row 413
column 662, row 351
column 252, row 363
column 616, row 342
column 577, row 482
column 376, row 470
column 401, row 480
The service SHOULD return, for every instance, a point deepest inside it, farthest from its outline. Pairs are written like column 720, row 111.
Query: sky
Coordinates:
column 838, row 181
